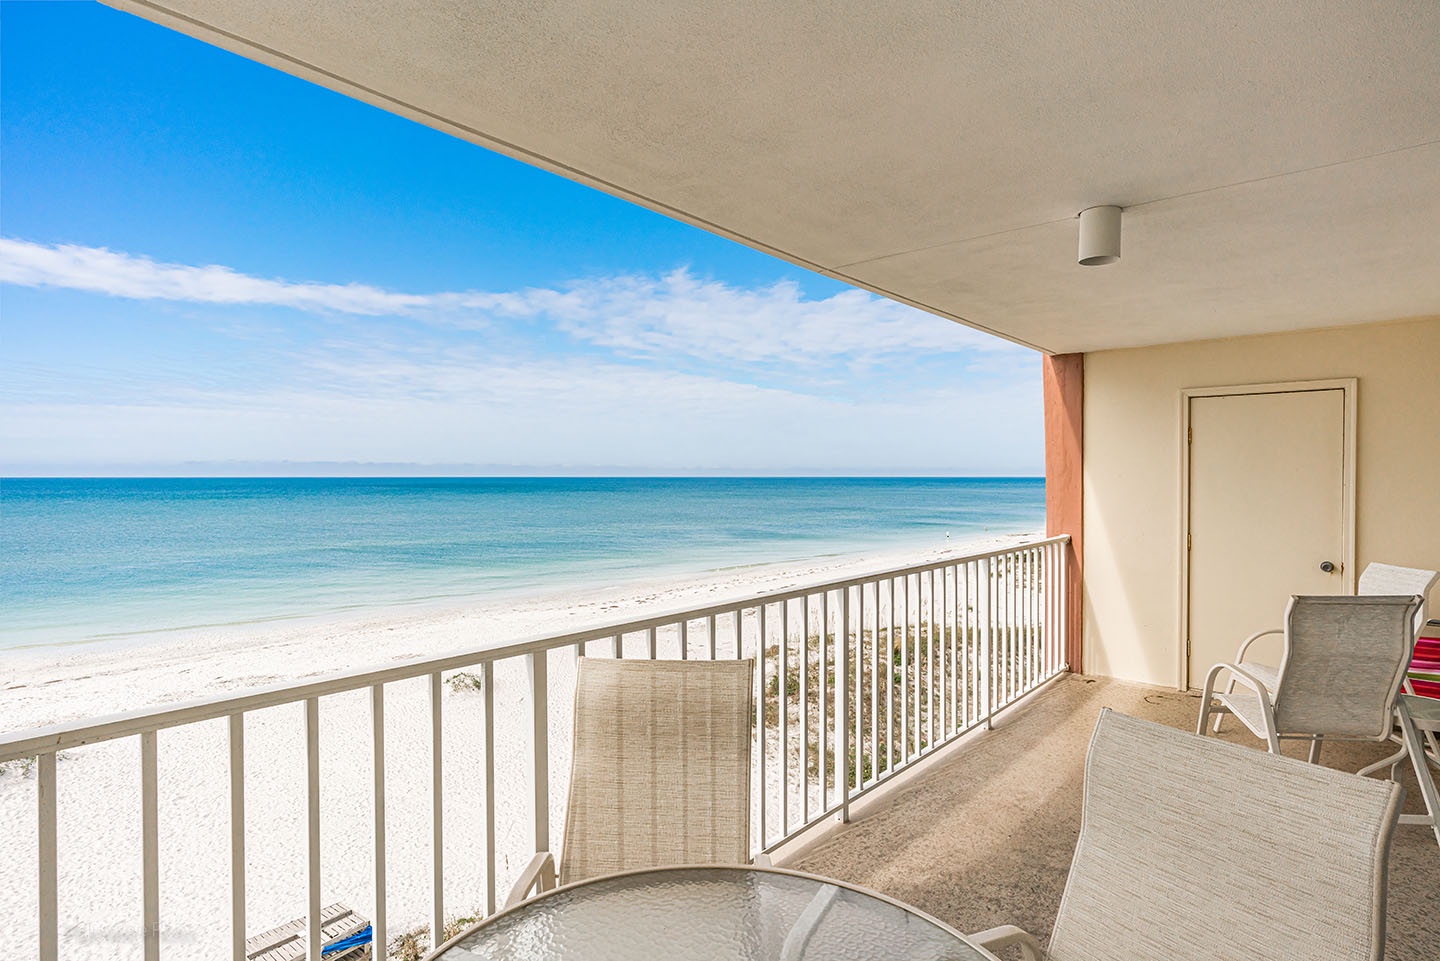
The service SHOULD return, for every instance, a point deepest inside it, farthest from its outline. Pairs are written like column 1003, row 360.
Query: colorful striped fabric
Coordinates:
column 1424, row 670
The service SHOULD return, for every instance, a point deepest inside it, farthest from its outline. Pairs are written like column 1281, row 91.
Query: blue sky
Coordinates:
column 208, row 266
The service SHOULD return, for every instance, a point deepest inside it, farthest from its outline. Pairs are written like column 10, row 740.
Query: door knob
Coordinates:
column 1327, row 566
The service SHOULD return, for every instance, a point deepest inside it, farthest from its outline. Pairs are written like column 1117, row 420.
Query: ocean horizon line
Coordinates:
column 458, row 472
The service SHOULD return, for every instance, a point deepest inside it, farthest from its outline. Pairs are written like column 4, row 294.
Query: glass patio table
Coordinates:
column 711, row 914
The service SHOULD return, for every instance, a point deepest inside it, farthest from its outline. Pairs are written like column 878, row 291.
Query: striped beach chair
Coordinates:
column 1424, row 673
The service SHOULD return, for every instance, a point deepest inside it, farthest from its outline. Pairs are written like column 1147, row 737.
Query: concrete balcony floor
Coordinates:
column 982, row 833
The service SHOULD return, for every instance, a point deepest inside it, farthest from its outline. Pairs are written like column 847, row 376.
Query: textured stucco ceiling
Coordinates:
column 1279, row 163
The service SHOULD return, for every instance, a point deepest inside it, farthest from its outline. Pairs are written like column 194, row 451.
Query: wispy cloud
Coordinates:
column 635, row 316
column 100, row 270
column 668, row 372
column 682, row 314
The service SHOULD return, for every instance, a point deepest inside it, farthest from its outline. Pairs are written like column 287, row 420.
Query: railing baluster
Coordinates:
column 1002, row 633
column 487, row 681
column 970, row 685
column 1028, row 619
column 1022, row 603
column 710, row 635
column 1065, row 608
column 983, row 617
column 1002, row 614
column 760, row 725
column 237, row 837
column 914, row 611
column 1052, row 609
column 437, row 813
column 952, row 616
column 1036, row 660
column 377, row 796
column 616, row 648
column 1022, row 620
column 1052, row 597
column 650, row 643
column 875, row 668
column 824, row 684
column 1017, row 617
column 684, row 639
column 949, row 589
column 960, row 662
column 842, row 702
column 1007, row 583
column 984, row 668
column 314, row 936
column 1031, row 667
column 46, row 851
column 540, row 748
column 905, row 671
column 805, row 709
column 1052, row 633
column 938, row 628
column 998, row 633
column 1032, row 599
column 930, row 662
column 150, row 843
column 1007, row 622
column 782, row 698
column 856, row 619
column 889, row 677
column 997, row 639
column 1017, row 622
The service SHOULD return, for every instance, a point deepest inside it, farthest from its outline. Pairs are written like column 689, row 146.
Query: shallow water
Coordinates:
column 103, row 559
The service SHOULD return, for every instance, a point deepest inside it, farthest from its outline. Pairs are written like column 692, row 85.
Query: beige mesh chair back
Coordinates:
column 1343, row 663
column 659, row 770
column 1192, row 849
column 661, row 767
column 1380, row 578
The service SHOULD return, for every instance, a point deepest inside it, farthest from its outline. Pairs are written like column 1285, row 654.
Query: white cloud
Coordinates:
column 102, row 271
column 635, row 316
column 669, row 372
column 682, row 314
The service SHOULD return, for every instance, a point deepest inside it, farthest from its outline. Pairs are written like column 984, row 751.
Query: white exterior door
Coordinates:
column 1269, row 510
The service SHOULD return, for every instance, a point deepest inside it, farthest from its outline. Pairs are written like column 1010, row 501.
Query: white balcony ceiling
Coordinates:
column 1279, row 162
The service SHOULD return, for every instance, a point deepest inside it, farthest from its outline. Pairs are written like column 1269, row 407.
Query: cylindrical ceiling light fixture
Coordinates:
column 1099, row 236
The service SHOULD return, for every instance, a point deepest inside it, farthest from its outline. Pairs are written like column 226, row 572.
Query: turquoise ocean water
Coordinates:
column 106, row 560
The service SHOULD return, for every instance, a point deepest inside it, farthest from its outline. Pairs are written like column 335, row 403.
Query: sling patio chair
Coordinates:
column 1341, row 667
column 660, row 770
column 1423, row 675
column 1376, row 579
column 1192, row 849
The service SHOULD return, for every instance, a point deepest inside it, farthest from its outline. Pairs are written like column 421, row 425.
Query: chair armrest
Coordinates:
column 538, row 875
column 1245, row 644
column 1006, row 935
column 1237, row 673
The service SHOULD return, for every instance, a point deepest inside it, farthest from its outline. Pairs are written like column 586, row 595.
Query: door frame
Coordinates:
column 1350, row 387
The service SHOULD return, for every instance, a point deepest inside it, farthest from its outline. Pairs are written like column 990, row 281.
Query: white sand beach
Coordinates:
column 99, row 795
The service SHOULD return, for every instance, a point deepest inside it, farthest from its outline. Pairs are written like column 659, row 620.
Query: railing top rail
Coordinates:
column 41, row 740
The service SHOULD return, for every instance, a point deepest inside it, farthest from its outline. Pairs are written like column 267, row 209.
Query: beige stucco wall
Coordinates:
column 1132, row 469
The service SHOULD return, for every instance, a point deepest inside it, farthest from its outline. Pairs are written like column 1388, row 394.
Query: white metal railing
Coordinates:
column 857, row 678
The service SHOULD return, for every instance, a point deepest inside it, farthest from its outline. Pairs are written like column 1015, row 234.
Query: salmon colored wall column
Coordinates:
column 1064, row 459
